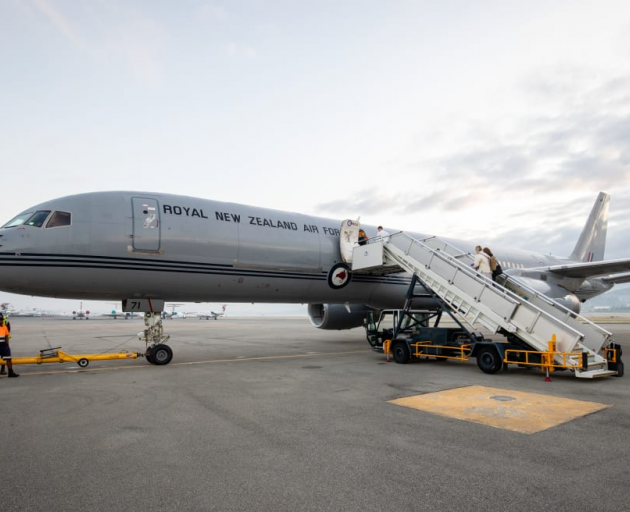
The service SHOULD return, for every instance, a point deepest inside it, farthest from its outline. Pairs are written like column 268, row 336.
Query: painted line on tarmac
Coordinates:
column 209, row 361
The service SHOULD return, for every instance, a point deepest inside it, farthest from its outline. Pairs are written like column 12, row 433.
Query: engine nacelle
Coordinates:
column 553, row 291
column 337, row 316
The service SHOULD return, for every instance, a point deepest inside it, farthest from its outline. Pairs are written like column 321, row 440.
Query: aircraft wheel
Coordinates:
column 161, row 354
column 147, row 355
column 83, row 362
column 488, row 360
column 401, row 352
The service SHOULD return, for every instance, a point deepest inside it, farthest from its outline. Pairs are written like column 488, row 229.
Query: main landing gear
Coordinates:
column 157, row 351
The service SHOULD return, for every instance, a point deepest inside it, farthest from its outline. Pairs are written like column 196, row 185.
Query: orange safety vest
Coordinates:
column 4, row 331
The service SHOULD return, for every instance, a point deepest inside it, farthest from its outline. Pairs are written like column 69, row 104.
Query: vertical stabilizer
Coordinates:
column 592, row 241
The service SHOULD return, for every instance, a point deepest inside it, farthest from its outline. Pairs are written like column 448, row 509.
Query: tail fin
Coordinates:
column 592, row 241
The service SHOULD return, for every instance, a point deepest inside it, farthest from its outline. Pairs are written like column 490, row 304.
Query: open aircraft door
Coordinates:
column 340, row 275
column 146, row 224
column 349, row 239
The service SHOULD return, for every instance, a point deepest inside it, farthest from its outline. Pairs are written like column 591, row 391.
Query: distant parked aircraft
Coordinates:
column 212, row 315
column 9, row 310
column 173, row 314
column 80, row 314
column 117, row 313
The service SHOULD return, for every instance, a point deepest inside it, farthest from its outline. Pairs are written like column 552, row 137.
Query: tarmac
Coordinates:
column 273, row 414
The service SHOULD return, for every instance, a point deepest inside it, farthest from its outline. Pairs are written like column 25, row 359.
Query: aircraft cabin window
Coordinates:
column 58, row 219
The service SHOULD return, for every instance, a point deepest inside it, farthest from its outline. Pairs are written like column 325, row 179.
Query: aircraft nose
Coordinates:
column 13, row 241
column 5, row 239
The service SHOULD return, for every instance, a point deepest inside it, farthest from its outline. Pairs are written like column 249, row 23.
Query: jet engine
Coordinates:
column 552, row 290
column 337, row 316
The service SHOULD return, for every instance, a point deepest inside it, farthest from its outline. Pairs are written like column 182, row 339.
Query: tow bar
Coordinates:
column 55, row 355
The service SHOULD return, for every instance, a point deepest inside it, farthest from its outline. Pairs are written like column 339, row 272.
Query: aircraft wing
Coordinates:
column 593, row 269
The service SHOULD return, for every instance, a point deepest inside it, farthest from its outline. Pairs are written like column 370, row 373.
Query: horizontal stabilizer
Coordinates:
column 618, row 278
column 594, row 269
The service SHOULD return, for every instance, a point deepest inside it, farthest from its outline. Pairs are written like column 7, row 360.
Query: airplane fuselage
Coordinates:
column 178, row 248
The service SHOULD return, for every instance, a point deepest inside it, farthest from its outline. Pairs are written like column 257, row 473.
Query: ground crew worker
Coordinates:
column 5, row 350
column 3, row 367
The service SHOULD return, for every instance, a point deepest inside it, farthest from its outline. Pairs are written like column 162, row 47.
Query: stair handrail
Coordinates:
column 532, row 291
column 478, row 276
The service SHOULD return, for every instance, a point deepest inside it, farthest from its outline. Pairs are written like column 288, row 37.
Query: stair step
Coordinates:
column 592, row 374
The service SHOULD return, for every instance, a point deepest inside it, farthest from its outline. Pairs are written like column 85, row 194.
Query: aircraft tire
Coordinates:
column 161, row 354
column 488, row 360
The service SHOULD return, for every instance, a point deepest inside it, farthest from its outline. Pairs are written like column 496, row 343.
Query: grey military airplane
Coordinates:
column 147, row 248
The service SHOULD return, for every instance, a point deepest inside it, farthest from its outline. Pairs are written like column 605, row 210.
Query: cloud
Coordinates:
column 111, row 33
column 240, row 50
column 583, row 148
column 61, row 23
column 525, row 182
column 213, row 12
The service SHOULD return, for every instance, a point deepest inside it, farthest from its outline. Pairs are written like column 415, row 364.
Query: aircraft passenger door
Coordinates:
column 349, row 238
column 146, row 224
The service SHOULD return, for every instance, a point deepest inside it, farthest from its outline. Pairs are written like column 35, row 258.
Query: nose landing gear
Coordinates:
column 157, row 352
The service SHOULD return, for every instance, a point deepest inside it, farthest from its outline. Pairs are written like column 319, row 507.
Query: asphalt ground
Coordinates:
column 273, row 414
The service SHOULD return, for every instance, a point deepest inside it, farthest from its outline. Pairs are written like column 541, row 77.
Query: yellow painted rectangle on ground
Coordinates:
column 527, row 413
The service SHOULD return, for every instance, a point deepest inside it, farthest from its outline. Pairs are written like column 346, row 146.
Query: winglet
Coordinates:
column 592, row 241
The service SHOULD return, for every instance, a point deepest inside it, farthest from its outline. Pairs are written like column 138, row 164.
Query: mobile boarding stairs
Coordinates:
column 510, row 308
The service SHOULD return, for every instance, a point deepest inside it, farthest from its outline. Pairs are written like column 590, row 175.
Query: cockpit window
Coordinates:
column 28, row 219
column 58, row 219
column 19, row 220
column 37, row 219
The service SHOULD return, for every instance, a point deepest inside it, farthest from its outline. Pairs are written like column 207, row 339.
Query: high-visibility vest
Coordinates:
column 4, row 331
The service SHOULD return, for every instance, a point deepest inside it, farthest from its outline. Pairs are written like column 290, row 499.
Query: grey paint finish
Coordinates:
column 179, row 248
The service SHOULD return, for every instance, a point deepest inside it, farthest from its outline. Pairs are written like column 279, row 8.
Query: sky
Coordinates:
column 494, row 120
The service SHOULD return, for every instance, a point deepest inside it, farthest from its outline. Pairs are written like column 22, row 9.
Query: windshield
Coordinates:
column 37, row 219
column 18, row 221
column 28, row 219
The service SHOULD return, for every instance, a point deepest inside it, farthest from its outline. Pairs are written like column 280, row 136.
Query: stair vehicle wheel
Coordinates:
column 83, row 362
column 401, row 352
column 619, row 369
column 488, row 360
column 161, row 354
